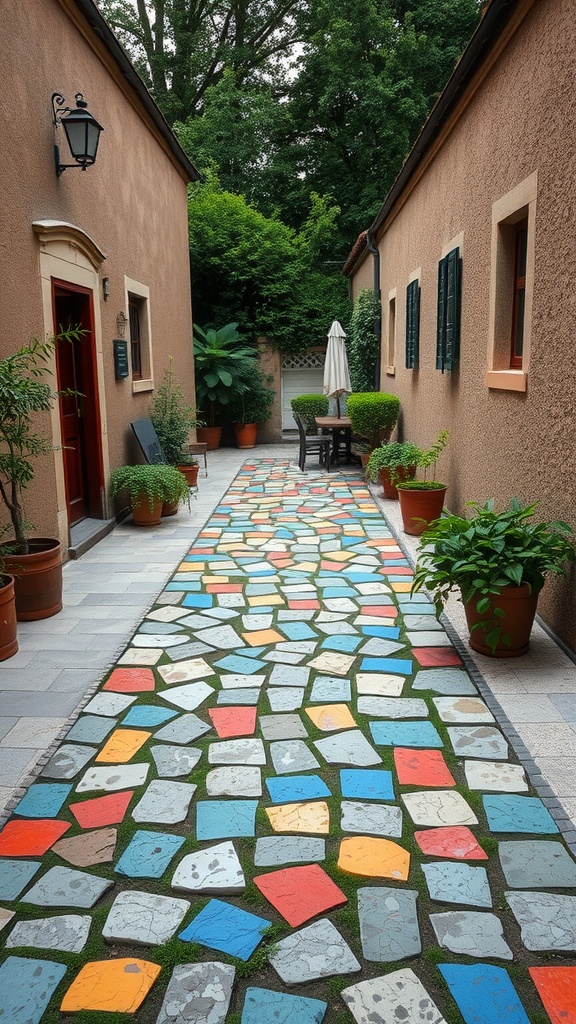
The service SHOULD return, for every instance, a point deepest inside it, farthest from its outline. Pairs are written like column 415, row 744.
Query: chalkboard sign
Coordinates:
column 121, row 368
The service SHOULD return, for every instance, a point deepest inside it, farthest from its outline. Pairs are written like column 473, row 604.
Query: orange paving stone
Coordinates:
column 30, row 838
column 233, row 721
column 557, row 990
column 401, row 588
column 422, row 768
column 114, row 986
column 454, row 841
column 261, row 637
column 224, row 588
column 308, row 818
column 130, row 680
column 374, row 858
column 191, row 567
column 436, row 657
column 122, row 745
column 102, row 810
column 301, row 892
column 329, row 717
column 395, row 570
column 383, row 611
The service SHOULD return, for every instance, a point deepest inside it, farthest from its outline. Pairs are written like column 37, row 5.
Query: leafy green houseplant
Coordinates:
column 252, row 407
column 148, row 488
column 373, row 415
column 307, row 407
column 422, row 500
column 497, row 560
column 223, row 366
column 391, row 463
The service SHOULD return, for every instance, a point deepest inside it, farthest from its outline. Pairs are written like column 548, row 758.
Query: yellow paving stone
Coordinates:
column 265, row 599
column 215, row 579
column 401, row 588
column 329, row 717
column 263, row 636
column 307, row 566
column 122, row 745
column 374, row 858
column 341, row 556
column 113, row 986
column 307, row 817
column 191, row 567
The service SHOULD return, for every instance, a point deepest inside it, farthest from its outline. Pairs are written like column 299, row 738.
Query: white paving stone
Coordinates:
column 317, row 951
column 144, row 918
column 392, row 707
column 198, row 993
column 371, row 819
column 185, row 671
column 235, row 780
column 113, row 777
column 348, row 748
column 395, row 998
column 240, row 752
column 495, row 776
column 462, row 709
column 379, row 684
column 438, row 807
column 213, row 869
column 188, row 697
column 164, row 802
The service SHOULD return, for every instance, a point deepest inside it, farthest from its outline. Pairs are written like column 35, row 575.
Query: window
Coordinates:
column 135, row 339
column 391, row 342
column 449, row 302
column 519, row 294
column 412, row 324
column 138, row 305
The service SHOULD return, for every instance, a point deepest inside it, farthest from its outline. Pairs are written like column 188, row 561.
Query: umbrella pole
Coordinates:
column 338, row 406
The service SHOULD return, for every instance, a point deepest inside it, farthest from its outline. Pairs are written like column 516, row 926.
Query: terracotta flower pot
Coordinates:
column 420, row 507
column 245, row 434
column 210, row 436
column 37, row 579
column 169, row 508
column 402, row 473
column 364, row 456
column 519, row 607
column 146, row 516
column 191, row 474
column 8, row 640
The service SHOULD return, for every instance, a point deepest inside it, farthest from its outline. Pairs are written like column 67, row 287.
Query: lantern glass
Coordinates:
column 83, row 134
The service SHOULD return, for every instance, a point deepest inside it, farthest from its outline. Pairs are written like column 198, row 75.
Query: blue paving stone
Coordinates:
column 384, row 632
column 330, row 689
column 148, row 715
column 258, row 589
column 243, row 695
column 15, row 875
column 416, row 607
column 264, row 1005
column 250, row 652
column 339, row 591
column 184, row 585
column 405, row 734
column 455, row 882
column 509, row 813
column 148, row 854
column 361, row 577
column 238, row 664
column 483, row 993
column 226, row 928
column 43, row 801
column 291, row 789
column 298, row 631
column 399, row 666
column 341, row 643
column 366, row 783
column 225, row 819
column 91, row 729
column 198, row 601
column 27, row 986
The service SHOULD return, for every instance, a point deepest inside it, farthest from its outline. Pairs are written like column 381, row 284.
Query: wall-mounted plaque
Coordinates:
column 121, row 368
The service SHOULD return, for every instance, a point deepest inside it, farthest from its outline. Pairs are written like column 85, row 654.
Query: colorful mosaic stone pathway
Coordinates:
column 289, row 780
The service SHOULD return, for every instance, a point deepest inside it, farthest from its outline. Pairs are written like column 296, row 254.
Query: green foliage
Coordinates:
column 149, row 483
column 373, row 415
column 254, row 405
column 223, row 368
column 489, row 551
column 308, row 407
column 426, row 458
column 363, row 343
column 393, row 456
column 23, row 394
column 172, row 417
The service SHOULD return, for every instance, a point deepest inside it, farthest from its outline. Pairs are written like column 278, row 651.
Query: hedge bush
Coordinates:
column 373, row 415
column 308, row 407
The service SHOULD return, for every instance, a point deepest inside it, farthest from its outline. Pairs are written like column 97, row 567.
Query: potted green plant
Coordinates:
column 422, row 501
column 173, row 419
column 499, row 561
column 373, row 416
column 222, row 365
column 36, row 563
column 148, row 488
column 391, row 463
column 252, row 407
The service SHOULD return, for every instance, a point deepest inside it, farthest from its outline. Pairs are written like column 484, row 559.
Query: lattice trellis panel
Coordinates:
column 304, row 361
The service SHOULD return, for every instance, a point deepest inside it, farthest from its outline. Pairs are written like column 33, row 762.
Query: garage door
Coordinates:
column 295, row 382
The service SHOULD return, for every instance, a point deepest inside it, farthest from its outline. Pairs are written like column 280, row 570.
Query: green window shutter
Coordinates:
column 412, row 324
column 441, row 321
column 449, row 303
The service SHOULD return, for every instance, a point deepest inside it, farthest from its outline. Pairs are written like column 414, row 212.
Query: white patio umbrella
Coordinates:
column 336, row 373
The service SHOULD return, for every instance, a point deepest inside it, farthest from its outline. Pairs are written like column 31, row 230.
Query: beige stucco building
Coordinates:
column 106, row 247
column 479, row 231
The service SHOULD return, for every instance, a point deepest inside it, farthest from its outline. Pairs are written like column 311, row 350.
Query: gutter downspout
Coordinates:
column 375, row 253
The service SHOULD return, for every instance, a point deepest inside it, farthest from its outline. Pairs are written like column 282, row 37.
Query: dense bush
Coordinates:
column 308, row 407
column 363, row 342
column 373, row 415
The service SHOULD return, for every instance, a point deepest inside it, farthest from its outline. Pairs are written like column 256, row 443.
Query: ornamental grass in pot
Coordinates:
column 499, row 562
column 148, row 488
column 422, row 500
column 393, row 463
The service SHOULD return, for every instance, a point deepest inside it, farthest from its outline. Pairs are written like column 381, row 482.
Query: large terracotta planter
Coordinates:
column 245, row 434
column 519, row 607
column 37, row 579
column 402, row 473
column 146, row 516
column 420, row 508
column 8, row 640
column 210, row 436
column 169, row 508
column 190, row 471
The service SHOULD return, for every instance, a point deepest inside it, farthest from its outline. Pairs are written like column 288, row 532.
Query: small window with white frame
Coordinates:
column 138, row 304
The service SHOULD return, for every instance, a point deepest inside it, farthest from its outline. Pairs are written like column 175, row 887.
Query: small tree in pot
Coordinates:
column 173, row 419
column 252, row 407
column 422, row 501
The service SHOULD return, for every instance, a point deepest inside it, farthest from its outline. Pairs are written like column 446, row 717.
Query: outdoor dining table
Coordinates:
column 339, row 425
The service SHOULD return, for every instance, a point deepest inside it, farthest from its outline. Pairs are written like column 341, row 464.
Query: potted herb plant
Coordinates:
column 422, row 501
column 148, row 488
column 373, row 416
column 36, row 563
column 222, row 365
column 252, row 407
column 173, row 419
column 391, row 463
column 499, row 561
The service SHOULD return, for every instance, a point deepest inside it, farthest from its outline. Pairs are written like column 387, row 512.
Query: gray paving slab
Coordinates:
column 198, row 994
column 317, row 951
column 66, row 932
column 66, row 887
column 533, row 863
column 388, row 923
column 144, row 918
column 471, row 933
column 398, row 996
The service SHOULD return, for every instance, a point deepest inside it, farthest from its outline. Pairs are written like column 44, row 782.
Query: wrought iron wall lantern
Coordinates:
column 82, row 131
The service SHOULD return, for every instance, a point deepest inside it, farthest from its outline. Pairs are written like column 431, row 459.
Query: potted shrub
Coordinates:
column 422, row 501
column 252, row 407
column 223, row 366
column 173, row 419
column 36, row 563
column 307, row 407
column 148, row 488
column 373, row 416
column 499, row 561
column 391, row 463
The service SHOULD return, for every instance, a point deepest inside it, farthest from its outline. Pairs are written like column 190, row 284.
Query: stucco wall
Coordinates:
column 132, row 203
column 502, row 443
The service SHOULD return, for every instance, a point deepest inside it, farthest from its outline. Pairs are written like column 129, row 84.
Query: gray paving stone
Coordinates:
column 330, row 690
column 159, row 628
column 172, row 762
column 422, row 622
column 395, row 998
column 462, row 709
column 348, row 748
column 471, row 933
column 495, row 776
column 282, row 727
column 248, row 751
column 317, row 951
column 272, row 851
column 547, row 920
column 184, row 729
column 388, row 923
column 198, row 994
column 91, row 729
column 248, row 696
column 289, row 675
column 285, row 698
column 378, row 647
column 236, row 780
column 213, row 869
column 477, row 741
column 189, row 650
column 113, row 777
column 393, row 707
column 144, row 918
column 65, row 887
column 238, row 681
column 108, row 704
column 292, row 756
column 68, row 933
column 448, row 681
column 164, row 802
column 428, row 638
column 223, row 638
column 537, row 863
column 67, row 761
column 188, row 697
column 371, row 819
column 455, row 882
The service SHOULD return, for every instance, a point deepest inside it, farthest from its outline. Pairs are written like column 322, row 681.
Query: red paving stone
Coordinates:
column 224, row 588
column 294, row 605
column 30, row 838
column 300, row 893
column 557, row 990
column 130, row 680
column 422, row 768
column 436, row 657
column 102, row 810
column 383, row 611
column 233, row 721
column 454, row 841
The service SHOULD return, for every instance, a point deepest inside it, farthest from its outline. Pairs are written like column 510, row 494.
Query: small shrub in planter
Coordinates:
column 149, row 487
column 307, row 407
column 173, row 419
column 400, row 458
column 373, row 415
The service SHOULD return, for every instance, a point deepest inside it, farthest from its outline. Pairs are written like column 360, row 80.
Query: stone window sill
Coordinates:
column 142, row 385
column 507, row 380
